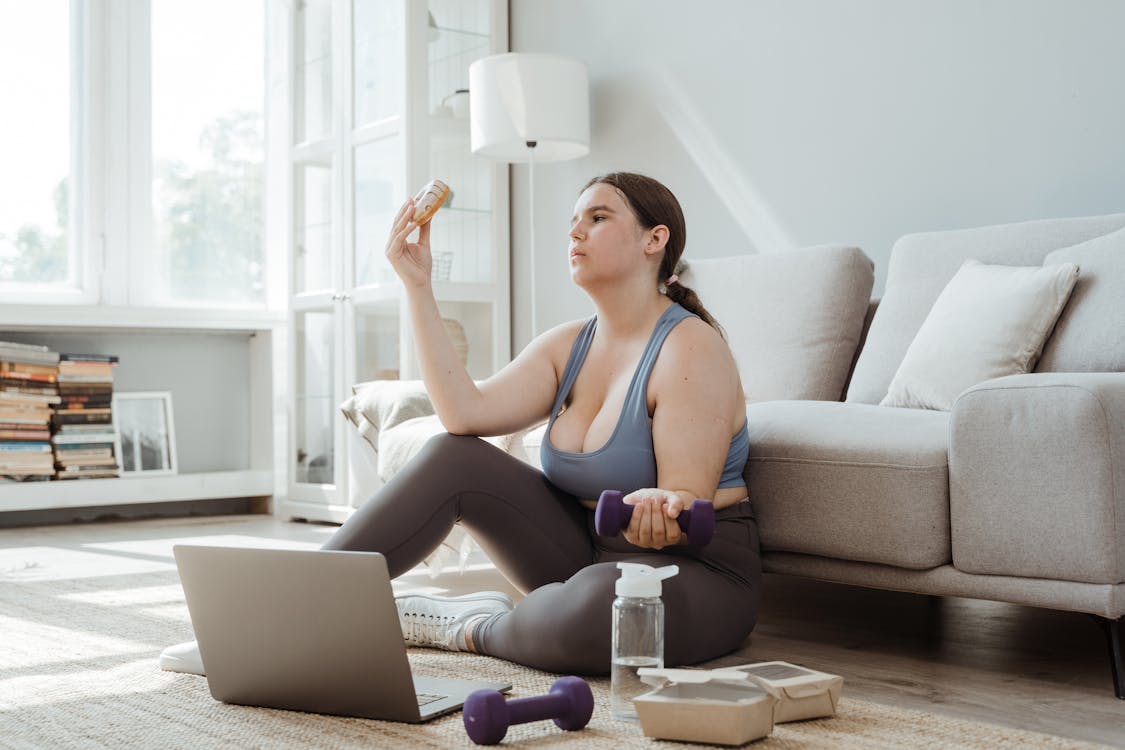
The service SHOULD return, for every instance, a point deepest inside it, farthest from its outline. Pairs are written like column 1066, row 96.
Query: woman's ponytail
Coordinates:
column 654, row 204
column 687, row 298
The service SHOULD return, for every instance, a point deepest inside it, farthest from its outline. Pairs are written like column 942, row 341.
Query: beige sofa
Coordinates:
column 1017, row 494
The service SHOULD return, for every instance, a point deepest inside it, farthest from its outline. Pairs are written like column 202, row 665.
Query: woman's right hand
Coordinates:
column 653, row 524
column 411, row 260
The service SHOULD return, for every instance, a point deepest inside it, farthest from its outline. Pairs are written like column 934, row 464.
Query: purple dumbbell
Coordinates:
column 488, row 714
column 612, row 517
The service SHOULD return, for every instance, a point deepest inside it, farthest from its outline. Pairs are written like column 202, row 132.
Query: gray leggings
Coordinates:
column 543, row 541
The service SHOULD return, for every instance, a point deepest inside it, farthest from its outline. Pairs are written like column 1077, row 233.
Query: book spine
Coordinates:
column 61, row 419
column 25, row 434
column 37, row 447
column 111, row 358
column 27, row 356
column 24, row 417
column 94, row 439
column 31, row 377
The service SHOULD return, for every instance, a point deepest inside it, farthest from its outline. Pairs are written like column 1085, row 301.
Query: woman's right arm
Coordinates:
column 519, row 395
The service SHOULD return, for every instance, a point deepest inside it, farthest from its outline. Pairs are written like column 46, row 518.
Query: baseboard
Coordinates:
column 136, row 511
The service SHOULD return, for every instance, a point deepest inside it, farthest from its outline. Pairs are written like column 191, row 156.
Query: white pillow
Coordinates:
column 397, row 445
column 787, row 345
column 988, row 322
column 381, row 404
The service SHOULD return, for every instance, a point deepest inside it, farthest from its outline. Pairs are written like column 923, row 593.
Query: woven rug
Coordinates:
column 78, row 648
column 135, row 705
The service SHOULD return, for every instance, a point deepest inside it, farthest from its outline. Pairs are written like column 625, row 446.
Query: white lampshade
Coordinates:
column 517, row 97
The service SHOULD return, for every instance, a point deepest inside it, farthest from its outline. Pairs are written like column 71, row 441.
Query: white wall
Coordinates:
column 782, row 123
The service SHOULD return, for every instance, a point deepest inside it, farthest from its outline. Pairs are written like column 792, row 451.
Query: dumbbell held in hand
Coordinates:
column 613, row 514
column 488, row 714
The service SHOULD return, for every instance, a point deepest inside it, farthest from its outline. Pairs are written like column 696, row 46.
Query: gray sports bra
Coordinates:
column 627, row 461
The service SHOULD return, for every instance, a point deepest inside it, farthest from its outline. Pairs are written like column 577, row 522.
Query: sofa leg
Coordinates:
column 1115, row 638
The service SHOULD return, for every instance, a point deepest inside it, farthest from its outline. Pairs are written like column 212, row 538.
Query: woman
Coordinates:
column 644, row 398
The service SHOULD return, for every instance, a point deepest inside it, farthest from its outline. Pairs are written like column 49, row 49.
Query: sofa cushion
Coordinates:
column 793, row 319
column 988, row 322
column 1090, row 334
column 851, row 481
column 922, row 264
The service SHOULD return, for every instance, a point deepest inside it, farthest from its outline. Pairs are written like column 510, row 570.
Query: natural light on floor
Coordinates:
column 83, row 617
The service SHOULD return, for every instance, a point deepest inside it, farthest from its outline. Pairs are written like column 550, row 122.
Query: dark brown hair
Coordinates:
column 653, row 204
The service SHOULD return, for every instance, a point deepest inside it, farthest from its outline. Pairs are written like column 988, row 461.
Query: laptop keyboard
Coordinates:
column 424, row 698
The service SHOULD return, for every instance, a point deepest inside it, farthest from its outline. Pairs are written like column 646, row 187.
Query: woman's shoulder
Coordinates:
column 557, row 341
column 564, row 333
column 693, row 346
column 693, row 335
column 571, row 327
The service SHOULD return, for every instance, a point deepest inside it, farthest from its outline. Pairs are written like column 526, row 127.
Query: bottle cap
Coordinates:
column 642, row 581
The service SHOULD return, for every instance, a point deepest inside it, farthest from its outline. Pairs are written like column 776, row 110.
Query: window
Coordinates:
column 37, row 248
column 133, row 152
column 208, row 149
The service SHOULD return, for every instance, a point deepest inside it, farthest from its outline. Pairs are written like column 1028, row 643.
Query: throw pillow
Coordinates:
column 381, row 404
column 988, row 322
column 397, row 445
column 793, row 319
column 1090, row 334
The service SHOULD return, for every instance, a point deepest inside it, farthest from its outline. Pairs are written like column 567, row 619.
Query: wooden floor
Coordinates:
column 1022, row 667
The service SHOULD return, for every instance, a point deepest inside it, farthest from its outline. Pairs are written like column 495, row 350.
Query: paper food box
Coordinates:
column 720, row 706
column 801, row 693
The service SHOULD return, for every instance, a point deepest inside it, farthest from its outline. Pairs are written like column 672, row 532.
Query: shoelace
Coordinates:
column 424, row 629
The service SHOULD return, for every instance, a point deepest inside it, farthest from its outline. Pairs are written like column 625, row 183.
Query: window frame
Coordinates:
column 80, row 286
column 112, row 237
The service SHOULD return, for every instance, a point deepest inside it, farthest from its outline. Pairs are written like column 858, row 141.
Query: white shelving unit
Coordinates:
column 369, row 127
column 219, row 366
column 84, row 493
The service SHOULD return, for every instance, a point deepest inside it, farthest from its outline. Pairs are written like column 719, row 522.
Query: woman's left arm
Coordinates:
column 696, row 394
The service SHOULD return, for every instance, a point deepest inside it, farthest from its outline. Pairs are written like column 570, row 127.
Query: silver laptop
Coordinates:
column 308, row 630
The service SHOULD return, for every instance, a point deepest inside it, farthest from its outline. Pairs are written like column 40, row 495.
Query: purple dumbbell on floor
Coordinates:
column 488, row 714
column 612, row 517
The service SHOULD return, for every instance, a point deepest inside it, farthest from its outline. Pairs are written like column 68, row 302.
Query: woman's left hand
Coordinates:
column 653, row 524
column 412, row 261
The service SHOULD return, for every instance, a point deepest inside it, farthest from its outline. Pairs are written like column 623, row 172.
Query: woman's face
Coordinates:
column 606, row 241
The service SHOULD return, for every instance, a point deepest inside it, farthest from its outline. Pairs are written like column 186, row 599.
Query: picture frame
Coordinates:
column 146, row 435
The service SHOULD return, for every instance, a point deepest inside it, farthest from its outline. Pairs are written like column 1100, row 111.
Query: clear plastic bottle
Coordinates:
column 638, row 633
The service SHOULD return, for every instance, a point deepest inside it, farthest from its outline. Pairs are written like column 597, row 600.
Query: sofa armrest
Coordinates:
column 1037, row 477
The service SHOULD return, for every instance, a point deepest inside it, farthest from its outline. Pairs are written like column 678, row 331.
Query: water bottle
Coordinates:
column 638, row 633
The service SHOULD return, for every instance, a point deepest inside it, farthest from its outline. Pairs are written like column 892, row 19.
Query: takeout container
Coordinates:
column 733, row 705
column 720, row 706
column 801, row 693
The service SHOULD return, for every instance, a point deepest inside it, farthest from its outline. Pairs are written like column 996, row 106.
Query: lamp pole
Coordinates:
column 533, row 107
column 531, row 231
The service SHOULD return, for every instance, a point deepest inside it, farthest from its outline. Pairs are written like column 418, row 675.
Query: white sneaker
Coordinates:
column 183, row 657
column 439, row 621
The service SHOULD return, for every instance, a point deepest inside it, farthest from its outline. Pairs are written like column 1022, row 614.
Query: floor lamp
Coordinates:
column 529, row 108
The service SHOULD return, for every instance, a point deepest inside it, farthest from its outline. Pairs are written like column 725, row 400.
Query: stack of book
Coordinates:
column 84, row 434
column 28, row 390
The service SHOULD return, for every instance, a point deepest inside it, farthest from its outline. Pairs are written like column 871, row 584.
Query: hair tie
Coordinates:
column 671, row 280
